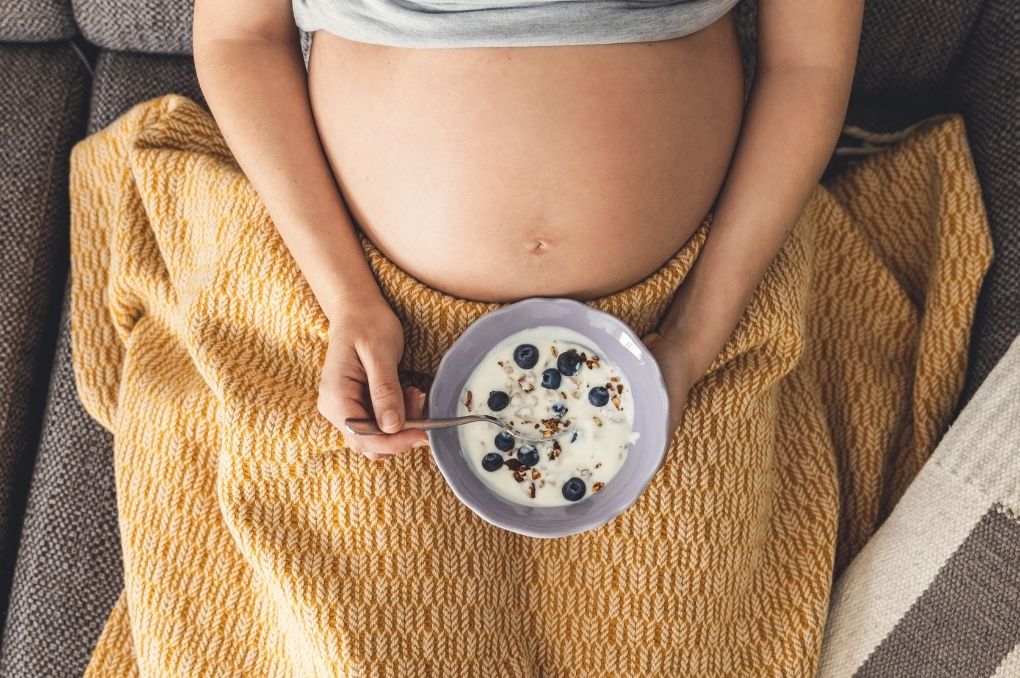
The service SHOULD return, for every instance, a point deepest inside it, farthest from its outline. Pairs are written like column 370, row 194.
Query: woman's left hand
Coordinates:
column 677, row 370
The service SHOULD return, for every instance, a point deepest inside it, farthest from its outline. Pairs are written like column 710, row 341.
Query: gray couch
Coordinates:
column 69, row 68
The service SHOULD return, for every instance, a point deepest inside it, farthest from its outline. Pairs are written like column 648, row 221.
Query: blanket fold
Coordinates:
column 256, row 544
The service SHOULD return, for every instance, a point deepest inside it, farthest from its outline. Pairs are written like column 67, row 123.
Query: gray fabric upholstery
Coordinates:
column 36, row 20
column 745, row 18
column 123, row 80
column 68, row 572
column 987, row 92
column 42, row 106
column 909, row 49
column 153, row 26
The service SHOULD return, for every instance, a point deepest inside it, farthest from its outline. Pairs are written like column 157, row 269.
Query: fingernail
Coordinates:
column 390, row 419
column 421, row 399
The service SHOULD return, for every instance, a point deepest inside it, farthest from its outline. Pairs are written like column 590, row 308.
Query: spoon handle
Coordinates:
column 368, row 427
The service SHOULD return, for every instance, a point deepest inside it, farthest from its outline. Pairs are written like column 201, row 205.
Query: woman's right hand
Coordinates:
column 359, row 379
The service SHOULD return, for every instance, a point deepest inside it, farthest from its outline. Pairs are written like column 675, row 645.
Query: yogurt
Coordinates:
column 542, row 380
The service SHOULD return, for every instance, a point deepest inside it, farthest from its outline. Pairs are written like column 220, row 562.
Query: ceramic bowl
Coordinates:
column 622, row 347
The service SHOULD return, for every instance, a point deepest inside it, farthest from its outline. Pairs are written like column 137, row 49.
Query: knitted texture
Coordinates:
column 36, row 21
column 42, row 107
column 256, row 544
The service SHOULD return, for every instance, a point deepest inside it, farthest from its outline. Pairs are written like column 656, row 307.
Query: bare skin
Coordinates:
column 455, row 161
column 501, row 173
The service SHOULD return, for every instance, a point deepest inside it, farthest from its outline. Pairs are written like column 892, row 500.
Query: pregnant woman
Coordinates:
column 500, row 150
column 244, row 282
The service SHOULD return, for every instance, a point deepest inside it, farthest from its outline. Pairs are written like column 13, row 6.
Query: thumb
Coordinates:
column 385, row 391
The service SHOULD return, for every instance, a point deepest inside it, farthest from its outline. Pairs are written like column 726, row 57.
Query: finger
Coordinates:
column 349, row 406
column 346, row 401
column 651, row 338
column 372, row 456
column 414, row 402
column 388, row 445
column 385, row 390
column 384, row 447
column 343, row 395
column 394, row 443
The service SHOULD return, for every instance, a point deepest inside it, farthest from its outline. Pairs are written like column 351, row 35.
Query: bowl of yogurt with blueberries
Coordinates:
column 586, row 404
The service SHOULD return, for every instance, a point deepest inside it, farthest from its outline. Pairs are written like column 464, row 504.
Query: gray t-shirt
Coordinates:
column 507, row 23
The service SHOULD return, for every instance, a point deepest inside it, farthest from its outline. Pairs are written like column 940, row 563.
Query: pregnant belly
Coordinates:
column 496, row 174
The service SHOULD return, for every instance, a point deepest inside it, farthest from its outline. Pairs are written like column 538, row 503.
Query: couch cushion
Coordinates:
column 987, row 92
column 153, row 26
column 42, row 111
column 123, row 80
column 68, row 571
column 908, row 49
column 36, row 20
column 156, row 26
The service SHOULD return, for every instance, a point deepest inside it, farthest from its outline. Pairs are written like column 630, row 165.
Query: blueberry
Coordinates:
column 598, row 396
column 573, row 489
column 559, row 409
column 498, row 400
column 493, row 461
column 551, row 378
column 527, row 455
column 504, row 441
column 526, row 356
column 568, row 363
column 573, row 437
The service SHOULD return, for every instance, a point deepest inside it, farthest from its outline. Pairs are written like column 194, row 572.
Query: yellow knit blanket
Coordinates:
column 256, row 544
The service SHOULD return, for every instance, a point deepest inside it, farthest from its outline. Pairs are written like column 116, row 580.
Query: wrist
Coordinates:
column 708, row 305
column 697, row 352
column 681, row 356
column 340, row 301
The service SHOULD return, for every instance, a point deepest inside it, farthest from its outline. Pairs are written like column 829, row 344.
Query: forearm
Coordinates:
column 257, row 92
column 791, row 125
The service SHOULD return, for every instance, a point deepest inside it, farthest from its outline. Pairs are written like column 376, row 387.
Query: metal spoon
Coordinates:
column 368, row 427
